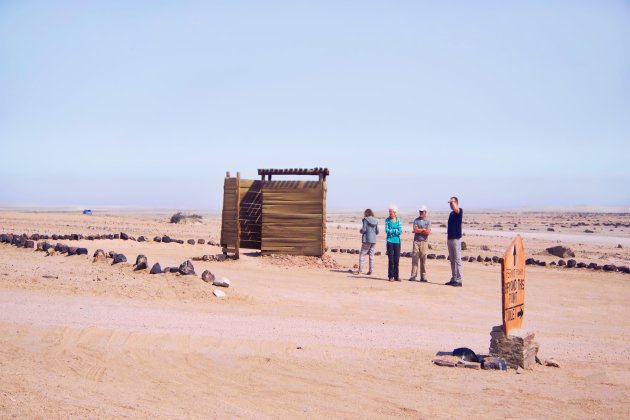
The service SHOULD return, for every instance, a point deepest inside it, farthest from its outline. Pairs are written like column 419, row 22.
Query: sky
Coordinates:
column 148, row 103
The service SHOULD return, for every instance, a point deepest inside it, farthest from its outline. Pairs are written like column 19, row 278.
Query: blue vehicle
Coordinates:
column 88, row 212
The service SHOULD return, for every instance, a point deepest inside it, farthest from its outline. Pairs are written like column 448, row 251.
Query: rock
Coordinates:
column 562, row 263
column 34, row 237
column 221, row 282
column 29, row 244
column 141, row 239
column 588, row 231
column 219, row 257
column 487, row 259
column 551, row 363
column 610, row 267
column 552, row 264
column 132, row 238
column 191, row 241
column 542, row 263
column 496, row 363
column 619, row 246
column 124, row 236
column 186, row 268
column 156, row 269
column 571, row 263
column 174, row 270
column 464, row 247
column 581, row 265
column 201, row 241
column 377, row 253
column 157, row 239
column 446, row 363
column 334, row 250
column 440, row 257
column 466, row 354
column 219, row 293
column 179, row 241
column 166, row 239
column 431, row 256
column 116, row 236
column 72, row 250
column 141, row 263
column 82, row 251
column 111, row 254
column 561, row 251
column 119, row 258
column 207, row 276
column 495, row 259
column 479, row 259
column 551, row 230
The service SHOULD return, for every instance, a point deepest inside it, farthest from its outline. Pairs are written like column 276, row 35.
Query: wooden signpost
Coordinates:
column 513, row 285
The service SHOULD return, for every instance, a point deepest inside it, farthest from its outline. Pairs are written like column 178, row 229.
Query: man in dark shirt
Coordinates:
column 454, row 242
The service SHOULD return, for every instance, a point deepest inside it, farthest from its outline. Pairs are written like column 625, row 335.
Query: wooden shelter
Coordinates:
column 275, row 216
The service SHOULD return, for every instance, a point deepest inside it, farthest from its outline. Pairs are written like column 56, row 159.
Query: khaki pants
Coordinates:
column 420, row 249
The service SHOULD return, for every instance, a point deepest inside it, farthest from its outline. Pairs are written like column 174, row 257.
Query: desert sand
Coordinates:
column 301, row 337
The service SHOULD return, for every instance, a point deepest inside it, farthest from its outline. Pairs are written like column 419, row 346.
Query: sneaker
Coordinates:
column 412, row 278
column 423, row 280
column 456, row 284
column 449, row 283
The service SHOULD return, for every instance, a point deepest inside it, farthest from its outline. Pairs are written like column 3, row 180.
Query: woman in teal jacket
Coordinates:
column 393, row 230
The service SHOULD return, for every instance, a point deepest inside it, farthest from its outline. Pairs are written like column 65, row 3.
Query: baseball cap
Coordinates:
column 422, row 208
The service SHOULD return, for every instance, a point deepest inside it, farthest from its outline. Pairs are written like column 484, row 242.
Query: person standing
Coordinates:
column 421, row 230
column 369, row 230
column 454, row 242
column 393, row 229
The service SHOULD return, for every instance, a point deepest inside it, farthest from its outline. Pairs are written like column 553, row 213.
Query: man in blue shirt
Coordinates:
column 454, row 242
column 421, row 229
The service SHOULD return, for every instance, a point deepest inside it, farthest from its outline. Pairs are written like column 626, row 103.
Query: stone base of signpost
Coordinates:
column 518, row 348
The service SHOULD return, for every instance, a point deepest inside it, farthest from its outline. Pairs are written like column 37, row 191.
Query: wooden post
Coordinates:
column 238, row 215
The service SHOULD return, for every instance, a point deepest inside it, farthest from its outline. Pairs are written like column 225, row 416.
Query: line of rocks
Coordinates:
column 571, row 263
column 110, row 236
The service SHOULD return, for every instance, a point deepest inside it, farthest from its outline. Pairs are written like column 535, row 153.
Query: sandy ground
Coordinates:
column 296, row 339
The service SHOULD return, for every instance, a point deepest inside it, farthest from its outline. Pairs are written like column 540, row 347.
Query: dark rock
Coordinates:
column 495, row 259
column 542, row 263
column 581, row 265
column 119, row 258
column 440, row 257
column 588, row 231
column 561, row 251
column 487, row 259
column 377, row 253
column 624, row 269
column 191, row 241
column 29, row 244
column 72, row 250
column 141, row 263
column 501, row 260
column 179, row 241
column 116, row 236
column 124, row 236
column 207, row 276
column 431, row 256
column 552, row 263
column 619, row 246
column 166, row 239
column 561, row 263
column 592, row 266
column 55, row 237
column 141, row 239
column 157, row 239
column 186, row 268
column 479, row 258
column 201, row 241
column 156, row 269
column 571, row 263
column 82, row 251
column 74, row 237
column 610, row 267
column 551, row 230
column 46, row 246
column 466, row 354
column 529, row 261
column 90, row 238
column 471, row 259
column 34, row 237
column 174, row 270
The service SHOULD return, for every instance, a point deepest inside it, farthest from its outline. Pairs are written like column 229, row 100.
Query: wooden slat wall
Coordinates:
column 228, row 219
column 251, row 213
column 293, row 216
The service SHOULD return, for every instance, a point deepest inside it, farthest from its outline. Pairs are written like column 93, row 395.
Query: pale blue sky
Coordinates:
column 149, row 103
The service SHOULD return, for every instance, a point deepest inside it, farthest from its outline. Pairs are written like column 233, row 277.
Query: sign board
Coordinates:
column 513, row 285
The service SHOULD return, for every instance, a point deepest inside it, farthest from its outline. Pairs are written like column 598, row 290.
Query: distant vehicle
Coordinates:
column 88, row 212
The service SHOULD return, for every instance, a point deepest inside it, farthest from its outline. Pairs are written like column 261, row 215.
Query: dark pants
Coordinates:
column 393, row 257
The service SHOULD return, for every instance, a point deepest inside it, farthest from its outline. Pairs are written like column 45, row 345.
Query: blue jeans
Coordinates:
column 393, row 257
